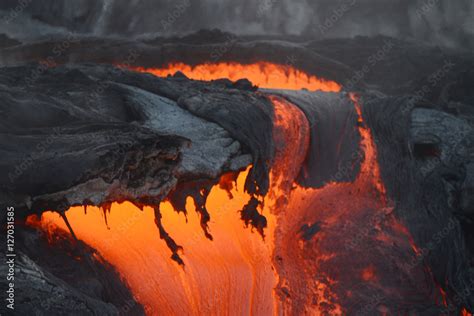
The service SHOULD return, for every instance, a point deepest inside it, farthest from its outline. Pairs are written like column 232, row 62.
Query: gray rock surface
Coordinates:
column 44, row 284
column 92, row 140
column 423, row 162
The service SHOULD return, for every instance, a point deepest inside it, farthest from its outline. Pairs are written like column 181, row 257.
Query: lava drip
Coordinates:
column 166, row 237
column 199, row 191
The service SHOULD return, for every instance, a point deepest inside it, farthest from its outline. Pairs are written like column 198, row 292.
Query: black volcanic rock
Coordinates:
column 429, row 187
column 80, row 123
column 45, row 285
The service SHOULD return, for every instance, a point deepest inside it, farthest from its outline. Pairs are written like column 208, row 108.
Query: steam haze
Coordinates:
column 443, row 22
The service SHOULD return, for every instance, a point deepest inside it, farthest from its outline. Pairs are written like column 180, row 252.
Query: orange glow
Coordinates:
column 226, row 274
column 370, row 168
column 261, row 74
column 314, row 273
column 315, row 296
column 368, row 274
column 443, row 296
column 291, row 136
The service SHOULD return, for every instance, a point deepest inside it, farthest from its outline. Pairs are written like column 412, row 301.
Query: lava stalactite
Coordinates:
column 261, row 74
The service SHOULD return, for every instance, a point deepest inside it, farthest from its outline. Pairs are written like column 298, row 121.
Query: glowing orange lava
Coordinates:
column 227, row 274
column 331, row 243
column 370, row 169
column 261, row 74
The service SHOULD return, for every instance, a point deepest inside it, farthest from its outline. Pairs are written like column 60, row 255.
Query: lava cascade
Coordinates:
column 262, row 74
column 225, row 274
column 233, row 272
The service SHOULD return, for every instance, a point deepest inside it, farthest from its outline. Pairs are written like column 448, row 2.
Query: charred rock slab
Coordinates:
column 93, row 135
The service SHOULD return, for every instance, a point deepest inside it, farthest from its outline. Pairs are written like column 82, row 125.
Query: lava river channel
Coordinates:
column 338, row 249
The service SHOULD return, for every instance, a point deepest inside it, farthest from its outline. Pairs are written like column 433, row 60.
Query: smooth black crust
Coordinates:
column 334, row 154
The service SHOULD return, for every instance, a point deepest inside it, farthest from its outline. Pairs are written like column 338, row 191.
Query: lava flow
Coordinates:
column 262, row 74
column 337, row 247
column 233, row 272
column 328, row 251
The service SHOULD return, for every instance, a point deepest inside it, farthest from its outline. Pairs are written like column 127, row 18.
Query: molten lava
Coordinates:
column 231, row 273
column 332, row 244
column 262, row 74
